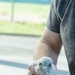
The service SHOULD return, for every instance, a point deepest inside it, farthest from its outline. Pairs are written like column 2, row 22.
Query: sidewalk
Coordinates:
column 16, row 52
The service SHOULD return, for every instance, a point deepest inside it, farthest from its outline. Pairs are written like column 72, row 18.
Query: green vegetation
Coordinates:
column 21, row 28
column 23, row 8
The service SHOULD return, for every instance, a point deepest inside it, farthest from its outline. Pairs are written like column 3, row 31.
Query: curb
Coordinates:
column 26, row 35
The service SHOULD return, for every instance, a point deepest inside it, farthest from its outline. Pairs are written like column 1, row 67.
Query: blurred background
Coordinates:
column 21, row 25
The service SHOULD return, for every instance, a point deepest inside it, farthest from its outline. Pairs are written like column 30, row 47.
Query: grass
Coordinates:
column 21, row 28
column 23, row 8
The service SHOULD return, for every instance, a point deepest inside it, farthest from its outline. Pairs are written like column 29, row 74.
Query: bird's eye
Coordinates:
column 40, row 63
column 49, row 65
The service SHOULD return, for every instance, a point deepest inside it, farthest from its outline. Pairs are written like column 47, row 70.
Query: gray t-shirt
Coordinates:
column 62, row 20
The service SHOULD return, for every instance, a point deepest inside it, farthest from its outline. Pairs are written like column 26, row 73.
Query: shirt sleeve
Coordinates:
column 53, row 22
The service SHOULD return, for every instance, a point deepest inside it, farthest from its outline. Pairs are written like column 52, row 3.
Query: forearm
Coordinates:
column 49, row 45
column 43, row 49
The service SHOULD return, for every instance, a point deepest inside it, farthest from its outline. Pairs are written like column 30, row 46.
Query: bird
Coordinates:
column 45, row 66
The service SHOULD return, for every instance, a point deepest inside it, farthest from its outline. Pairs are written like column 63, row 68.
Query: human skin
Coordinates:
column 49, row 45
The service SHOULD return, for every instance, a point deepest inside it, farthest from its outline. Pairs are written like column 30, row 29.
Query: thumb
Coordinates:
column 31, row 68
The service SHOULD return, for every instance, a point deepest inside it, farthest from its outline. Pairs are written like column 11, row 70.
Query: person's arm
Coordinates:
column 49, row 45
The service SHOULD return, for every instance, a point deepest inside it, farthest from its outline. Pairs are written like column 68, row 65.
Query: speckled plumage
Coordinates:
column 44, row 66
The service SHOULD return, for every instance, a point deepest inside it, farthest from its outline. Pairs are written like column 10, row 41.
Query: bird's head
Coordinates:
column 45, row 63
column 45, row 66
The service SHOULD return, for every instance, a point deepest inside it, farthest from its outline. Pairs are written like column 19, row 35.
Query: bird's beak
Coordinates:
column 44, row 67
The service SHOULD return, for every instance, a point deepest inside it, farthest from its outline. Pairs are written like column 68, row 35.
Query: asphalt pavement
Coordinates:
column 16, row 52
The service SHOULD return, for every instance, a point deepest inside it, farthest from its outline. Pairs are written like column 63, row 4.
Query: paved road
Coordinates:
column 16, row 52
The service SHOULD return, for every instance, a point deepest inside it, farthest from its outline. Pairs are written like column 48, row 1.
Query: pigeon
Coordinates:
column 45, row 66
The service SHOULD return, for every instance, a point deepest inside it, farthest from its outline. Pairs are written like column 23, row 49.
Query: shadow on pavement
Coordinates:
column 24, row 66
column 13, row 64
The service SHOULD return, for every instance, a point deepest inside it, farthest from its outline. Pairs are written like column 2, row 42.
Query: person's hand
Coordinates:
column 31, row 69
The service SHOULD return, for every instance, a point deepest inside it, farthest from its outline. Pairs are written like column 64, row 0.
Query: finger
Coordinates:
column 31, row 68
column 29, row 73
